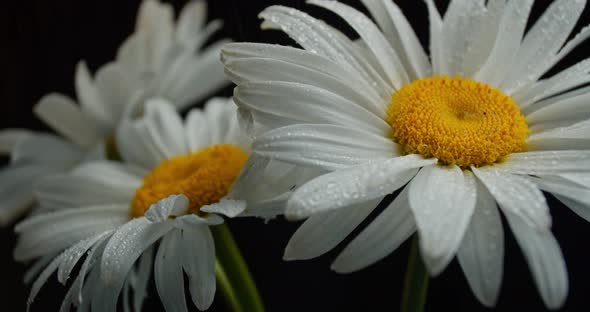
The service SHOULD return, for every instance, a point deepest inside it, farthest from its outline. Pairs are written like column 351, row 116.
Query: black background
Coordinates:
column 43, row 40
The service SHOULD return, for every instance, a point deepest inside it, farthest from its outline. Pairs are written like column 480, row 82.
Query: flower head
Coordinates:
column 153, row 210
column 468, row 130
column 162, row 58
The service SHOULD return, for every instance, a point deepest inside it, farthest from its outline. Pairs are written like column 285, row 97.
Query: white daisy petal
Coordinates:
column 46, row 233
column 481, row 254
column 68, row 191
column 16, row 192
column 581, row 209
column 560, row 107
column 117, row 89
column 570, row 137
column 73, row 254
column 10, row 137
column 277, row 104
column 411, row 52
column 442, row 200
column 165, row 127
column 156, row 20
column 371, row 35
column 545, row 162
column 173, row 205
column 391, row 228
column 458, row 31
column 91, row 102
column 199, row 265
column 267, row 208
column 353, row 185
column 323, row 231
column 544, row 257
column 74, row 294
column 37, row 267
column 42, row 279
column 510, row 32
column 516, row 195
column 46, row 149
column 190, row 221
column 266, row 69
column 234, row 52
column 542, row 41
column 168, row 272
column 220, row 111
column 196, row 130
column 135, row 147
column 326, row 146
column 580, row 178
column 435, row 37
column 483, row 37
column 121, row 251
column 574, row 194
column 569, row 78
column 188, row 84
column 313, row 35
column 192, row 18
column 144, row 269
column 227, row 207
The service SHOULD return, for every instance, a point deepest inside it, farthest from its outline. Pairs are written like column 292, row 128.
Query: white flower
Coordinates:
column 161, row 58
column 153, row 203
column 380, row 117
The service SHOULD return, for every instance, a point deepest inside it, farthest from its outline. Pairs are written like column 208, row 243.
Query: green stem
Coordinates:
column 416, row 281
column 233, row 275
column 227, row 291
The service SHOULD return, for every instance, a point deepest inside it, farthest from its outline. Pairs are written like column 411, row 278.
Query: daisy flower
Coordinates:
column 175, row 179
column 161, row 58
column 470, row 129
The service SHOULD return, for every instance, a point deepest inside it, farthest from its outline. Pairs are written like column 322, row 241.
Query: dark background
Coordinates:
column 43, row 40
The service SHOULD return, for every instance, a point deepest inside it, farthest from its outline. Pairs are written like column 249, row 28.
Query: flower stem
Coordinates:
column 237, row 284
column 416, row 281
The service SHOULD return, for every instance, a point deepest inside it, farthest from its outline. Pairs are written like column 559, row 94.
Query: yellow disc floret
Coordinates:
column 457, row 120
column 204, row 177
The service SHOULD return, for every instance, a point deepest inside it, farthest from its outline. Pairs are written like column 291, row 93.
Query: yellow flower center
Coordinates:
column 457, row 120
column 204, row 177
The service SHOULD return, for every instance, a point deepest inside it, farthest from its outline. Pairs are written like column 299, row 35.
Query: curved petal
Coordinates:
column 323, row 231
column 9, row 138
column 389, row 230
column 442, row 201
column 278, row 103
column 481, row 254
column 168, row 272
column 517, row 195
column 328, row 147
column 545, row 162
column 47, row 150
column 545, row 260
column 543, row 41
column 135, row 146
column 300, row 59
column 510, row 32
column 173, row 205
column 199, row 265
column 353, row 185
column 126, row 245
column 165, row 127
column 374, row 39
column 52, row 232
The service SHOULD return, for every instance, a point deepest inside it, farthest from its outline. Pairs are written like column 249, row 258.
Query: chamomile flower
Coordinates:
column 468, row 130
column 175, row 179
column 161, row 58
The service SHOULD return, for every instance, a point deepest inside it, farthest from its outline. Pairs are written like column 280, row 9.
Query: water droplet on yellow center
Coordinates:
column 457, row 120
column 204, row 177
